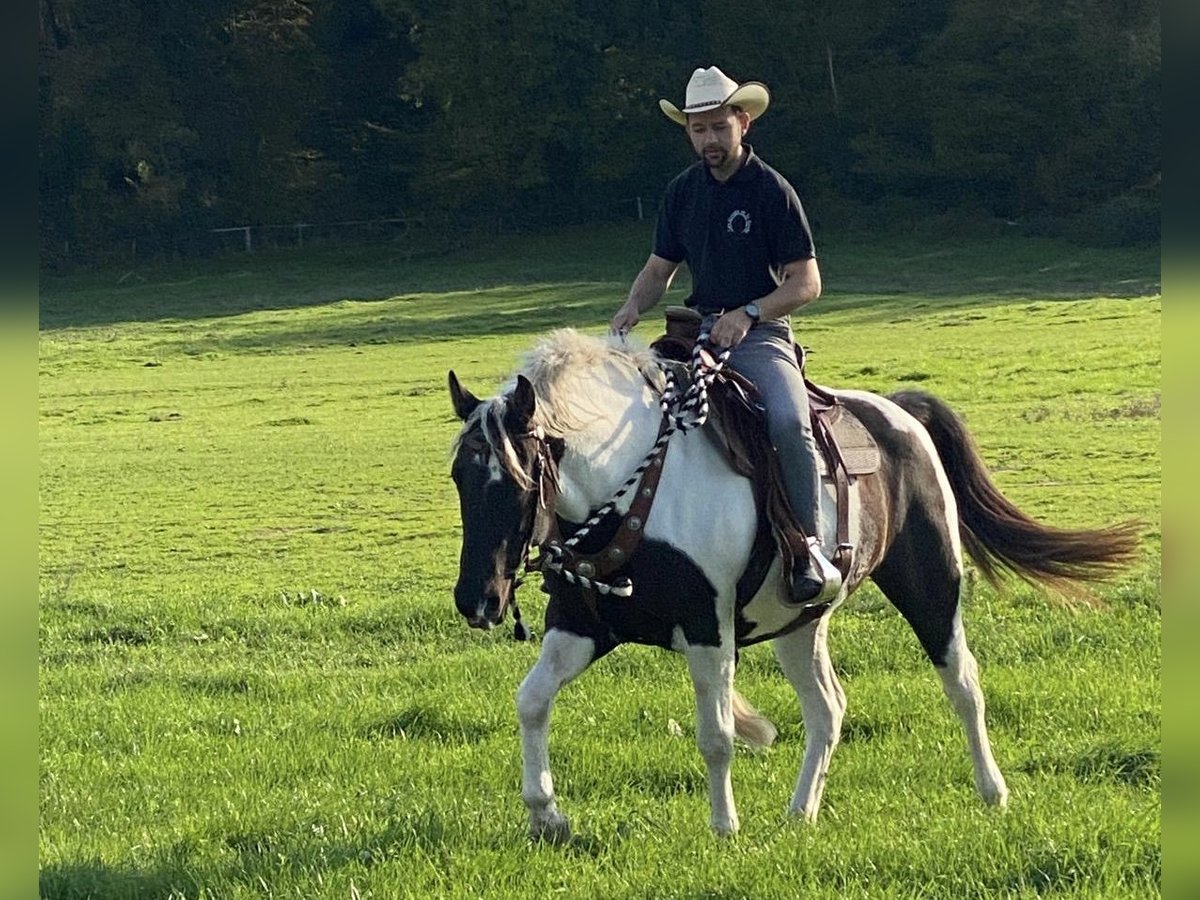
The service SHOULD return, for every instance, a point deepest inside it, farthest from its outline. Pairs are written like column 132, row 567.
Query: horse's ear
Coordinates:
column 523, row 402
column 464, row 401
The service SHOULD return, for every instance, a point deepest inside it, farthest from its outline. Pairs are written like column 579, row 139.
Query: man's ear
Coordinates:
column 464, row 401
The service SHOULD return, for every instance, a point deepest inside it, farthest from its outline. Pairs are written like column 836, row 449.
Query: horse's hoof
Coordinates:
column 998, row 798
column 993, row 790
column 725, row 829
column 800, row 812
column 551, row 829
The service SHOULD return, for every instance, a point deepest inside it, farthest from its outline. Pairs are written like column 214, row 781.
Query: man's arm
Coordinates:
column 801, row 286
column 648, row 288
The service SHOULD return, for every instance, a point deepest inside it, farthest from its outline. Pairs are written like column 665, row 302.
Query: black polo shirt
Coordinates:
column 736, row 236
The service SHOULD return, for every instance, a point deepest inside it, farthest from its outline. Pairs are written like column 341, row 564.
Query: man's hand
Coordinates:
column 624, row 320
column 649, row 286
column 731, row 329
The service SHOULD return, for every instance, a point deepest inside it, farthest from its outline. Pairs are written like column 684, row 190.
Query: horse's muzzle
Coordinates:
column 484, row 611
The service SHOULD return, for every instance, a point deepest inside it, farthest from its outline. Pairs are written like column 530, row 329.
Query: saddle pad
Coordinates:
column 855, row 443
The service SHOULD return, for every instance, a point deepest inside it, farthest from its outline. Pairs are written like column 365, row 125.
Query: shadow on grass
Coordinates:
column 1134, row 767
column 98, row 881
column 427, row 723
column 292, row 279
column 506, row 310
column 1067, row 872
column 862, row 269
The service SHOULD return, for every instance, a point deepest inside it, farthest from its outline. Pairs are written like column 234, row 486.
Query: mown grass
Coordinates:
column 254, row 683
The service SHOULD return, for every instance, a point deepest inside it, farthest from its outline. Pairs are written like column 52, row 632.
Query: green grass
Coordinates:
column 219, row 442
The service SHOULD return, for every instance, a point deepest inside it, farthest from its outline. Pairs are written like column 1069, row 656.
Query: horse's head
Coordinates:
column 500, row 469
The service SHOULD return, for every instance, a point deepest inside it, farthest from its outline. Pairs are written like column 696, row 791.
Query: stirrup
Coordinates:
column 829, row 573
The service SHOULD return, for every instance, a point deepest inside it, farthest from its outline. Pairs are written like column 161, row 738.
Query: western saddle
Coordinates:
column 845, row 447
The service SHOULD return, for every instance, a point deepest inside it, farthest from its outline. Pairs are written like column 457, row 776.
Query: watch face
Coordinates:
column 752, row 311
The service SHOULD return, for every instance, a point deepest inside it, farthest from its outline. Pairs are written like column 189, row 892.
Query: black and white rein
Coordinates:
column 682, row 411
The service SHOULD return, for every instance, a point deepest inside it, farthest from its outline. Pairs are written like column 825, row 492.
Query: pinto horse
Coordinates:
column 583, row 413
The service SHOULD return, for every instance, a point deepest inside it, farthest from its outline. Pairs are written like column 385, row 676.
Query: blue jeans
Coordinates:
column 766, row 356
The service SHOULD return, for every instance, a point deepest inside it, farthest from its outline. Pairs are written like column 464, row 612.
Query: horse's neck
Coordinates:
column 601, row 456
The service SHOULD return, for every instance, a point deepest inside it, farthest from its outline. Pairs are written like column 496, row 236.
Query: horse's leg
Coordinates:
column 563, row 657
column 960, row 681
column 925, row 586
column 712, row 676
column 804, row 657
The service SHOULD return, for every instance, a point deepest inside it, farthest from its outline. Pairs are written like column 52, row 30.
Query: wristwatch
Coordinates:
column 752, row 310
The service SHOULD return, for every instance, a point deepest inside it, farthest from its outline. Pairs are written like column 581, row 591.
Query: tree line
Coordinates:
column 160, row 120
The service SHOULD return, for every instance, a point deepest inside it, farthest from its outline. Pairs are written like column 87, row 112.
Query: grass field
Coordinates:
column 254, row 683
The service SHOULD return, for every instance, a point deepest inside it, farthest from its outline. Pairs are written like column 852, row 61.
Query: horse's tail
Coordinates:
column 750, row 725
column 997, row 535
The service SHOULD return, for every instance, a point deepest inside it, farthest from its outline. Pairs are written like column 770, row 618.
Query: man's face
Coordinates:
column 716, row 136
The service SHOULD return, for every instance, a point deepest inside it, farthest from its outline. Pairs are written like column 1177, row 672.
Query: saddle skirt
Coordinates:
column 849, row 437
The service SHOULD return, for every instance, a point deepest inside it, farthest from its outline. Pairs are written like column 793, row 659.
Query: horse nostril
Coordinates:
column 491, row 605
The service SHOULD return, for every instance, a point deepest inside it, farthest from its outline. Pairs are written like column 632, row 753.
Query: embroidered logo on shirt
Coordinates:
column 738, row 222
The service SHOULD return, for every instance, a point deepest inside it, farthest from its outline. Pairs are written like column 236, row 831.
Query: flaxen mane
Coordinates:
column 556, row 367
column 558, row 364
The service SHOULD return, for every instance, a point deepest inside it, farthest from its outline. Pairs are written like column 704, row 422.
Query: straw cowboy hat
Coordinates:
column 711, row 88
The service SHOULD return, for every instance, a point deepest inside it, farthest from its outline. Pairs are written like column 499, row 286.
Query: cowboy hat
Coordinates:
column 711, row 88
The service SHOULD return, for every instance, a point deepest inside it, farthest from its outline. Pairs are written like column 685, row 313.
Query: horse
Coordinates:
column 582, row 413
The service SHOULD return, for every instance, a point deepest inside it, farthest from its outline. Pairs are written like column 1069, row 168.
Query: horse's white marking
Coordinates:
column 679, row 643
column 562, row 658
column 703, row 508
column 706, row 511
column 765, row 610
column 804, row 658
column 712, row 676
column 495, row 470
column 960, row 681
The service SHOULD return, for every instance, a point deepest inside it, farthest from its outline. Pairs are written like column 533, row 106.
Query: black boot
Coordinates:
column 816, row 581
column 806, row 582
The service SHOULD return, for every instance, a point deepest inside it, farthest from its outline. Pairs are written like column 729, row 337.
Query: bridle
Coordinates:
column 545, row 481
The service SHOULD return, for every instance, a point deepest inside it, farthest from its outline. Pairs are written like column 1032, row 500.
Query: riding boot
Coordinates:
column 767, row 357
column 817, row 581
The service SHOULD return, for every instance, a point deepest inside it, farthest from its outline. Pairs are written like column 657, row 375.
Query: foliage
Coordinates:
column 161, row 120
column 253, row 681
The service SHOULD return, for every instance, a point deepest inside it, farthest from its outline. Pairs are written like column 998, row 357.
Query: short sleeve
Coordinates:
column 667, row 243
column 793, row 238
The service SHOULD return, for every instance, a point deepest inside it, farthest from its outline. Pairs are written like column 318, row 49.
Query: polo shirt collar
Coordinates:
column 745, row 173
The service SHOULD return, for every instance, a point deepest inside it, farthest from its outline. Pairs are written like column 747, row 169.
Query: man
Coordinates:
column 740, row 227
